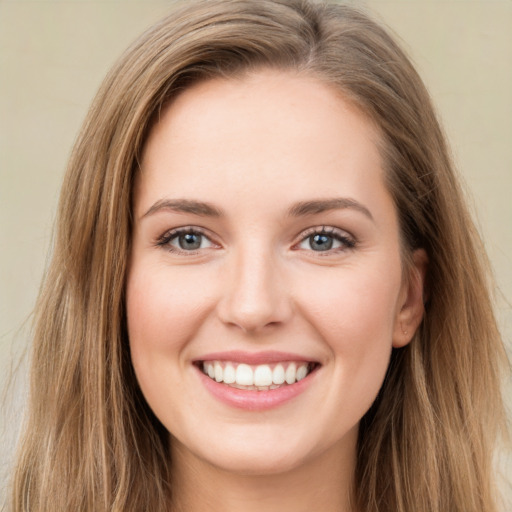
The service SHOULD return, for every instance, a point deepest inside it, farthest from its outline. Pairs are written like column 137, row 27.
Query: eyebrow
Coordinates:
column 184, row 206
column 299, row 209
column 322, row 205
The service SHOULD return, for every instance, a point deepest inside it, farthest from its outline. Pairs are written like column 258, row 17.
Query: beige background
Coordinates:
column 53, row 55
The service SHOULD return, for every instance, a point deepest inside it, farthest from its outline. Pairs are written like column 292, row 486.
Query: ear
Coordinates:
column 411, row 302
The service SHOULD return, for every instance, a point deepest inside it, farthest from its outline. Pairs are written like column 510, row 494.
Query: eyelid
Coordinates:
column 339, row 234
column 164, row 239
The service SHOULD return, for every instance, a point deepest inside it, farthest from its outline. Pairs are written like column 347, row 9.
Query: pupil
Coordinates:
column 321, row 242
column 190, row 241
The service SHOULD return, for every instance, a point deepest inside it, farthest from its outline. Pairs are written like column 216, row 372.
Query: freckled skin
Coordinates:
column 252, row 148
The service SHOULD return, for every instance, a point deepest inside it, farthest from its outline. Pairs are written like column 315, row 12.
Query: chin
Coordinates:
column 256, row 450
column 257, row 463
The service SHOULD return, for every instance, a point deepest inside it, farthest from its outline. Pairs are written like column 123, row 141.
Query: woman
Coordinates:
column 266, row 290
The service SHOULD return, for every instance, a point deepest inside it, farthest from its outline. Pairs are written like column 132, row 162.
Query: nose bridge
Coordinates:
column 255, row 296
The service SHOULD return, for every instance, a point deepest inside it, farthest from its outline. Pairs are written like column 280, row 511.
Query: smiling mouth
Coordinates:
column 262, row 377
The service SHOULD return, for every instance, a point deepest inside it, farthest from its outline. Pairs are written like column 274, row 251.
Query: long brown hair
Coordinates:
column 91, row 442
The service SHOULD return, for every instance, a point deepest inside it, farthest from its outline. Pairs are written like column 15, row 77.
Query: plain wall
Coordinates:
column 54, row 54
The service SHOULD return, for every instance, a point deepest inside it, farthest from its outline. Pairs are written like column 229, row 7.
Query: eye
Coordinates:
column 185, row 240
column 326, row 239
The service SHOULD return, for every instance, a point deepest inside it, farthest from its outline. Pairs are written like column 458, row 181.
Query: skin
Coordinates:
column 253, row 148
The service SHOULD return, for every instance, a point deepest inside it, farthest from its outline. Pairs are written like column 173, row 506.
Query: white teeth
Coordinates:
column 278, row 376
column 261, row 377
column 217, row 368
column 291, row 373
column 229, row 374
column 302, row 371
column 244, row 375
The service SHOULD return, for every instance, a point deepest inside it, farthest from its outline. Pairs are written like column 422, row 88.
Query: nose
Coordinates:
column 255, row 296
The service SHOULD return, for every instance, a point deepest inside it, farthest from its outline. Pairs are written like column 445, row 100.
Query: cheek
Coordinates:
column 162, row 308
column 353, row 303
column 354, row 312
column 162, row 315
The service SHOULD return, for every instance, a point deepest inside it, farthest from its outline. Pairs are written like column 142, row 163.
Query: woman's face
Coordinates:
column 266, row 254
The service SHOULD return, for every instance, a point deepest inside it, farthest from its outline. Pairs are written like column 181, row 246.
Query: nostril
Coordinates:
column 252, row 316
column 254, row 296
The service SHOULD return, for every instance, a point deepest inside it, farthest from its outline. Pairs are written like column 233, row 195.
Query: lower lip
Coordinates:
column 252, row 400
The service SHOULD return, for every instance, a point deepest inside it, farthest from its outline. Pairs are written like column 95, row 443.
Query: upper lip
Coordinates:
column 255, row 358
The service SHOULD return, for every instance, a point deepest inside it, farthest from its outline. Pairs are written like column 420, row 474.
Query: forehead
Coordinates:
column 289, row 132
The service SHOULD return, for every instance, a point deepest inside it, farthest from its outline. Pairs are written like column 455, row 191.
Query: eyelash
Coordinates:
column 338, row 235
column 347, row 241
column 165, row 240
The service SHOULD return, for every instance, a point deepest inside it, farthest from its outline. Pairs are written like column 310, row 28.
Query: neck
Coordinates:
column 323, row 483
